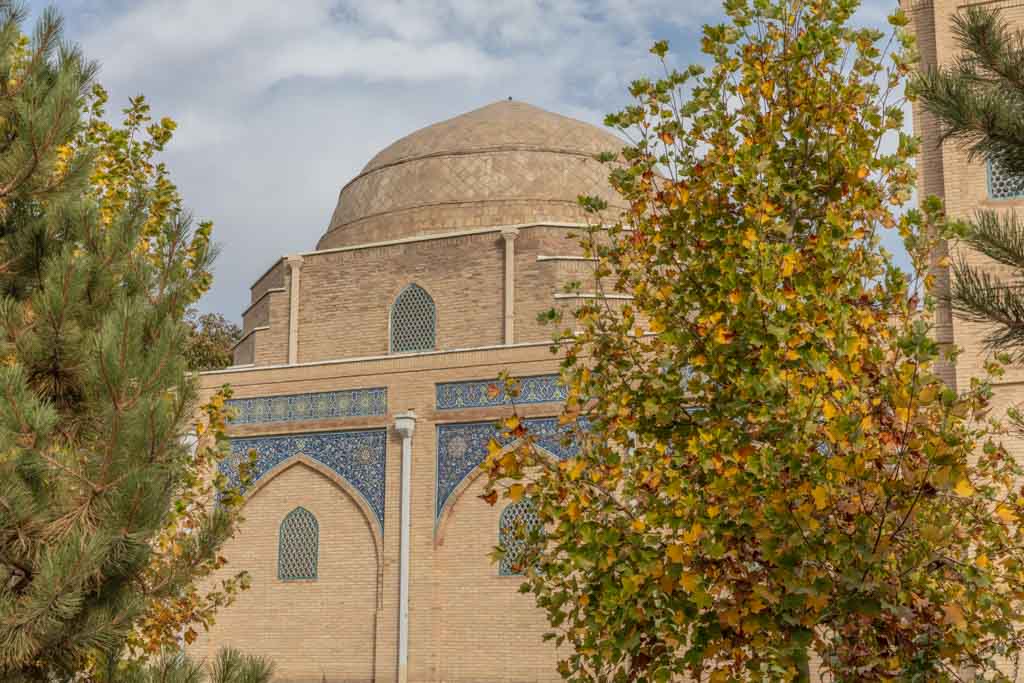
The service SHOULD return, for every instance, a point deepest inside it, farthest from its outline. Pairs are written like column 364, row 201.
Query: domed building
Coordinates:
column 362, row 383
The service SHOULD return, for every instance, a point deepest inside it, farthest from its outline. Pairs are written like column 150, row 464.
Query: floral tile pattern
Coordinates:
column 324, row 404
column 473, row 394
column 463, row 446
column 356, row 456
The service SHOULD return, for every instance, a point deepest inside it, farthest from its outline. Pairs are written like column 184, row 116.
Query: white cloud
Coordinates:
column 280, row 103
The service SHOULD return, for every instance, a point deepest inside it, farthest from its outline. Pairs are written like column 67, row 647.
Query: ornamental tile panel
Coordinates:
column 461, row 447
column 298, row 407
column 474, row 394
column 358, row 457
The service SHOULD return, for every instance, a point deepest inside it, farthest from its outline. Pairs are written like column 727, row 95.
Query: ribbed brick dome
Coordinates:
column 503, row 164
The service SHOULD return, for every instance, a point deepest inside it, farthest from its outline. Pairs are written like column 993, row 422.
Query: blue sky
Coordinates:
column 280, row 103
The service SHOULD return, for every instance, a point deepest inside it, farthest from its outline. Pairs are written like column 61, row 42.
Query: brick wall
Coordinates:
column 312, row 629
column 467, row 623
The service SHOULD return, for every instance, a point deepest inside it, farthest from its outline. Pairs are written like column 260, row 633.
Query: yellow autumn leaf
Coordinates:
column 982, row 561
column 1006, row 514
column 576, row 469
column 735, row 297
column 689, row 581
column 820, row 494
column 638, row 525
column 788, row 263
column 676, row 552
column 656, row 326
column 829, row 409
column 964, row 489
column 713, row 511
column 694, row 534
column 516, row 491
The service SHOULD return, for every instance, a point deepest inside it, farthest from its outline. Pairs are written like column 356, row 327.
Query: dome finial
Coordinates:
column 509, row 98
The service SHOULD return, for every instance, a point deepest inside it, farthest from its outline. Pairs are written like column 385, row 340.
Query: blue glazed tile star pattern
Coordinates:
column 473, row 394
column 356, row 456
column 296, row 407
column 463, row 446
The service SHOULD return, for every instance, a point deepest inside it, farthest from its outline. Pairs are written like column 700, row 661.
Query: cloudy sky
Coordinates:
column 280, row 103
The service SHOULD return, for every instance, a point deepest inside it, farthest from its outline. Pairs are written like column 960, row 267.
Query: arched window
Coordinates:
column 413, row 321
column 517, row 521
column 299, row 546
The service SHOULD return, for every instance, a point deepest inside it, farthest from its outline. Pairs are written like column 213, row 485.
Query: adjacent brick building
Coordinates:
column 965, row 186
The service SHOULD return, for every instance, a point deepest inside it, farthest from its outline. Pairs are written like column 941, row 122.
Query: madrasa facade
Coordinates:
column 362, row 383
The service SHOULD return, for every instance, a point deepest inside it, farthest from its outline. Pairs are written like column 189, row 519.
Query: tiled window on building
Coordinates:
column 299, row 546
column 1002, row 184
column 517, row 521
column 413, row 321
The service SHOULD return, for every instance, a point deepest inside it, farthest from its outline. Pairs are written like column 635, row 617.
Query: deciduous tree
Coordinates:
column 211, row 341
column 771, row 472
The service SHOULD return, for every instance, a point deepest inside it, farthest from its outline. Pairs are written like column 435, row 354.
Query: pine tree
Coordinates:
column 98, row 265
column 978, row 101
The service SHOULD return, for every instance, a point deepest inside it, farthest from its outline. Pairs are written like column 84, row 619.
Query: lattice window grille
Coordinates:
column 299, row 546
column 1002, row 184
column 413, row 321
column 518, row 520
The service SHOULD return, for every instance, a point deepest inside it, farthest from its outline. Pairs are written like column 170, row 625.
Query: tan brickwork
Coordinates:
column 312, row 629
column 467, row 623
column 345, row 306
column 506, row 162
column 945, row 171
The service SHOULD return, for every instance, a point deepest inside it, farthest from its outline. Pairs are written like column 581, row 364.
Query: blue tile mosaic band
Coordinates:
column 463, row 446
column 297, row 407
column 356, row 456
column 474, row 394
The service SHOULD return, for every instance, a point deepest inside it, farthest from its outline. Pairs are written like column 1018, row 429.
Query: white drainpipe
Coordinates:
column 405, row 425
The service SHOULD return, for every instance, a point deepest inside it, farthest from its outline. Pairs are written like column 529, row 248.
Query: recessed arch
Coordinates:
column 346, row 488
column 412, row 321
column 467, row 482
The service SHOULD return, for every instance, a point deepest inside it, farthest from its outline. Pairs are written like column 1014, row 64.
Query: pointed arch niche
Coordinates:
column 461, row 447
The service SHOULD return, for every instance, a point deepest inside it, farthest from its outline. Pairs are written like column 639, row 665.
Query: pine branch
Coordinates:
column 978, row 100
column 999, row 236
column 980, row 297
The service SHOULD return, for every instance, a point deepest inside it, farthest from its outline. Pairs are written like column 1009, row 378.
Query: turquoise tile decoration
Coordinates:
column 316, row 406
column 461, row 447
column 474, row 394
column 358, row 457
